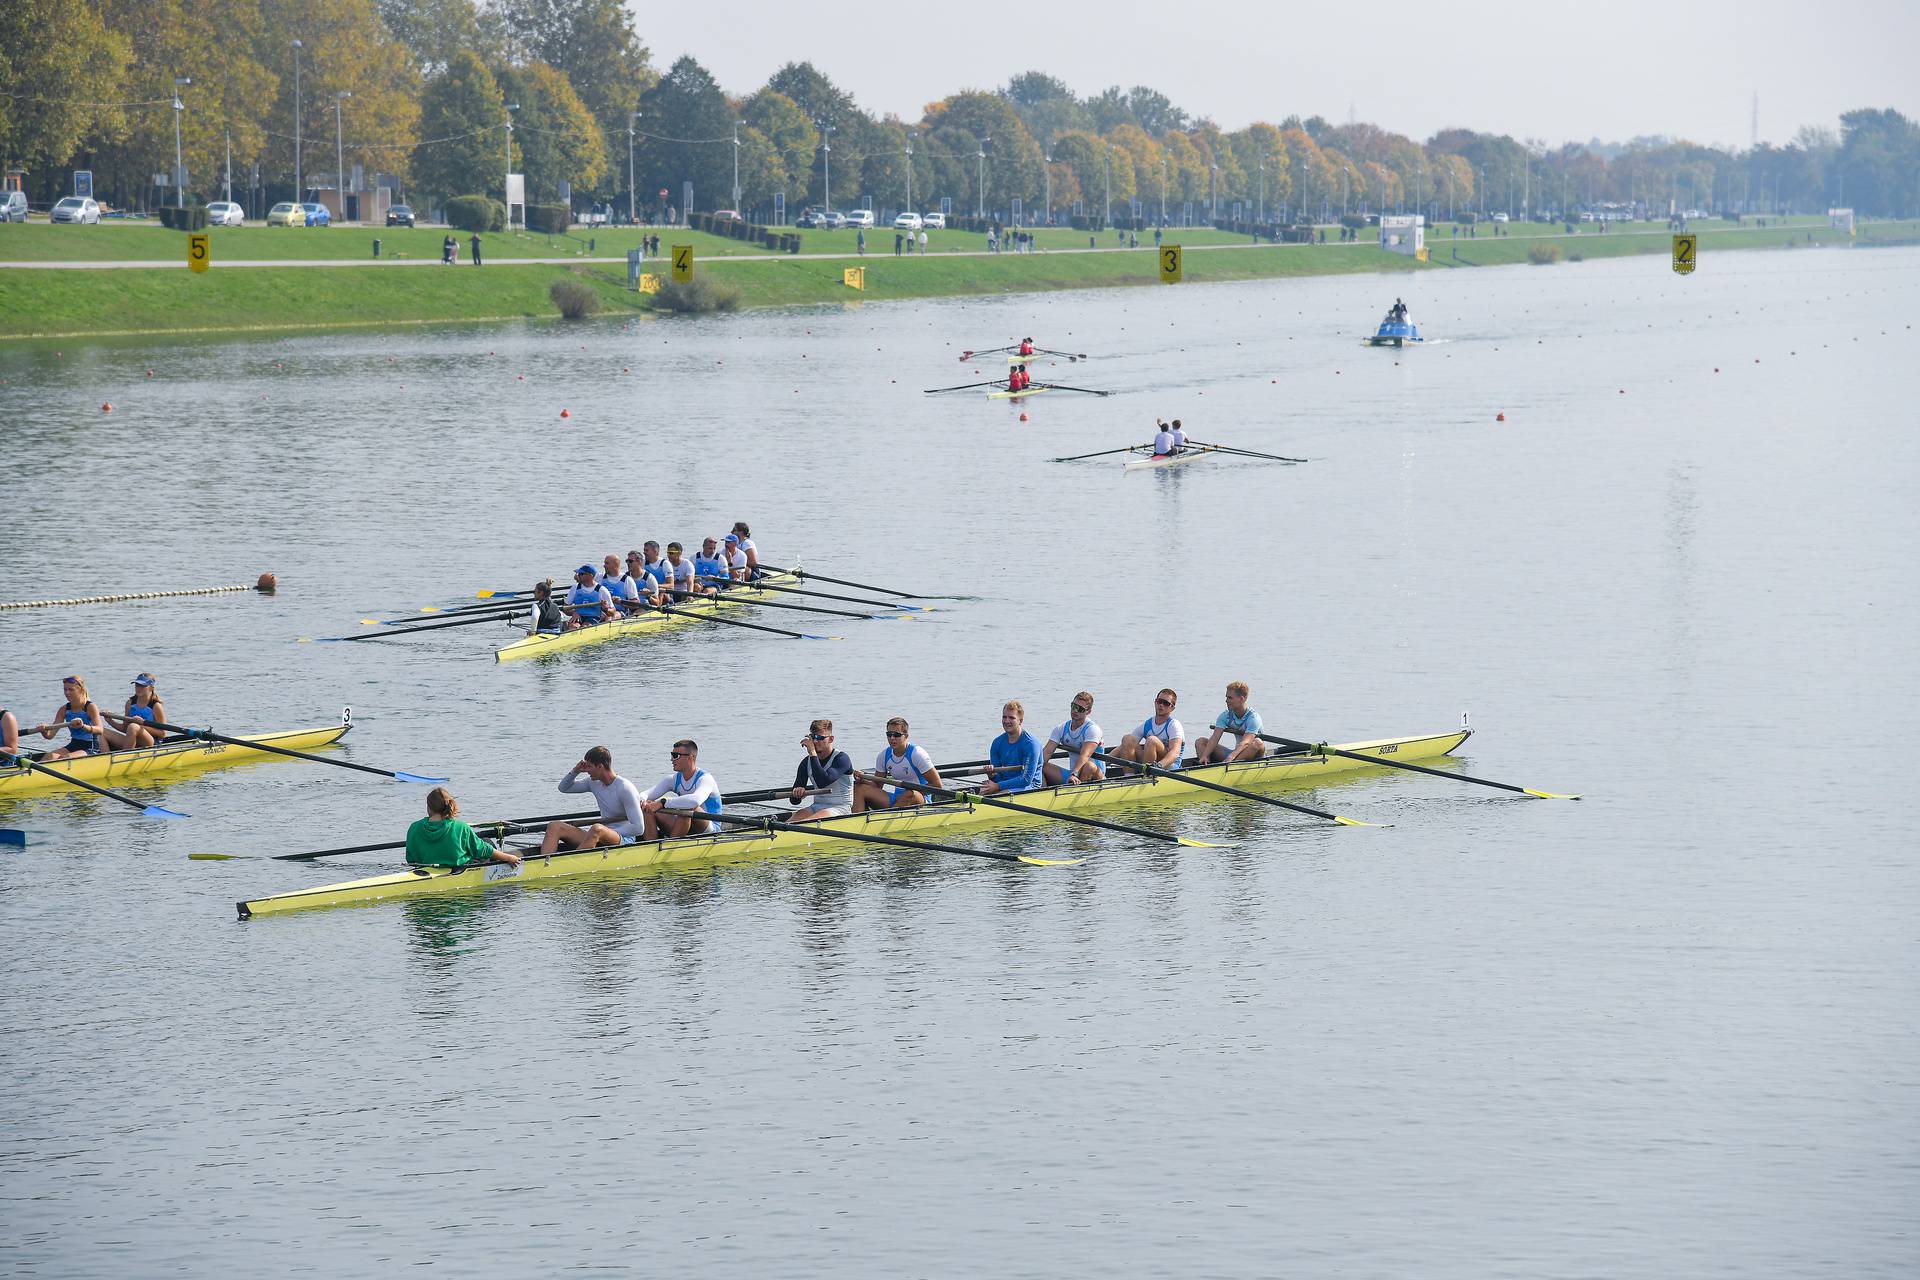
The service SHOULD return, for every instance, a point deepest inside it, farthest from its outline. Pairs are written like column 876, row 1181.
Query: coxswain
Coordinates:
column 545, row 617
column 1238, row 720
column 1014, row 755
column 137, row 721
column 677, row 802
column 1079, row 738
column 1163, row 441
column 679, row 571
column 588, row 602
column 823, row 782
column 736, row 558
column 1026, row 346
column 709, row 570
column 746, row 545
column 621, row 816
column 1159, row 738
column 86, row 732
column 899, row 771
column 441, row 839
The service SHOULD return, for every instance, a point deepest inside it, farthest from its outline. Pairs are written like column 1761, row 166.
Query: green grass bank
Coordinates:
column 48, row 302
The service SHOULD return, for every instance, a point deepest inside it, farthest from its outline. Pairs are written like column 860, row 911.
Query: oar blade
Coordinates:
column 1200, row 844
column 401, row 775
column 1355, row 822
column 159, row 811
column 212, row 857
column 1548, row 795
column 18, row 839
column 804, row 636
column 1051, row 862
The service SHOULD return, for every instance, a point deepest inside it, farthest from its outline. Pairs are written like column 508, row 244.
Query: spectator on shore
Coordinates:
column 476, row 248
column 923, row 242
column 898, row 240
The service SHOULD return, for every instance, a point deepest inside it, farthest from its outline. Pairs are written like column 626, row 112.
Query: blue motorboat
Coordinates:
column 1396, row 333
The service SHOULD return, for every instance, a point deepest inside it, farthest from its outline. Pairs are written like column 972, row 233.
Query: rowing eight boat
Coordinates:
column 1168, row 459
column 641, row 623
column 178, row 757
column 909, row 822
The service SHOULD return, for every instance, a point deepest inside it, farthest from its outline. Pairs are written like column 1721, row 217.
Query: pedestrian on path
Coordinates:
column 897, row 240
column 860, row 241
column 476, row 248
column 449, row 250
column 923, row 242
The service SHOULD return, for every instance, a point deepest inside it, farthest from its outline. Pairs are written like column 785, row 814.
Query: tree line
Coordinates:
column 448, row 95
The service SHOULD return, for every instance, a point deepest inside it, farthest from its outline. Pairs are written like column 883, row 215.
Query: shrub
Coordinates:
column 476, row 213
column 553, row 219
column 1542, row 254
column 1576, row 257
column 696, row 296
column 575, row 298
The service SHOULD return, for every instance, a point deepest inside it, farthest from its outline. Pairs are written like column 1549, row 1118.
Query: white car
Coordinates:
column 1501, row 217
column 934, row 221
column 225, row 213
column 859, row 217
column 76, row 209
column 907, row 222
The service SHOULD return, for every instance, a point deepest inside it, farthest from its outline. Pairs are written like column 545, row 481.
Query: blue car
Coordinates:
column 317, row 215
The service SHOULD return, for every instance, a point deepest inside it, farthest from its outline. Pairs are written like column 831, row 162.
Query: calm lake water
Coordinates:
column 1665, row 1031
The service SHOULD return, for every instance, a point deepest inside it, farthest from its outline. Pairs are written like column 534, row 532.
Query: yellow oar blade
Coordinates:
column 485, row 595
column 211, row 857
column 430, row 608
column 369, row 622
column 1355, row 822
column 1201, row 844
column 1548, row 795
column 1052, row 862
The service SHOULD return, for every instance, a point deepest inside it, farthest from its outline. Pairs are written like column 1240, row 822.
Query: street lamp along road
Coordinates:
column 179, row 184
column 736, row 166
column 506, row 181
column 633, row 215
column 299, row 191
column 340, row 151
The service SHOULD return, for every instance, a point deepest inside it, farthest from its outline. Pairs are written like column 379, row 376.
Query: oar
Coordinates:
column 496, row 616
column 735, row 622
column 12, row 836
column 150, row 810
column 842, row 582
column 990, row 351
column 1180, row 775
column 456, row 611
column 398, row 775
column 821, row 829
column 1251, row 453
column 1054, row 386
column 1321, row 748
column 821, row 595
column 964, row 386
column 1071, row 355
column 1061, row 815
column 1132, row 448
column 810, row 608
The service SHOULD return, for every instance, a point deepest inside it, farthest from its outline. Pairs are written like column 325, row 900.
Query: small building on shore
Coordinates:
column 1404, row 233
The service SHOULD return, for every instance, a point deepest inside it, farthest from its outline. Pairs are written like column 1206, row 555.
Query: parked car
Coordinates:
column 317, row 214
column 907, row 222
column 76, row 209
column 1501, row 217
column 287, row 214
column 860, row 217
column 809, row 218
column 400, row 215
column 225, row 213
column 726, row 215
column 13, row 206
column 833, row 221
column 934, row 221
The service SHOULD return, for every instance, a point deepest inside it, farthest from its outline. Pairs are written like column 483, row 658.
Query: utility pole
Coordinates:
column 1163, row 191
column 340, row 151
column 179, row 183
column 909, row 208
column 506, row 181
column 1346, row 187
column 736, row 166
column 229, row 196
column 980, row 190
column 299, row 191
column 826, row 148
column 1047, row 160
column 1106, row 216
column 1213, row 192
column 1262, row 218
column 633, row 212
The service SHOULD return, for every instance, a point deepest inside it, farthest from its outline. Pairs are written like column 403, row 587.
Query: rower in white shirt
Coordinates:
column 896, row 771
column 679, row 571
column 1240, row 721
column 1179, row 436
column 646, row 588
column 1159, row 738
column 588, row 601
column 736, row 558
column 1163, row 440
column 677, row 802
column 621, row 816
column 748, row 549
column 1078, row 737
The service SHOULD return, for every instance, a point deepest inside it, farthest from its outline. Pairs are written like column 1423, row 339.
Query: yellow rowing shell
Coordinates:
column 640, row 623
column 1016, row 395
column 169, row 758
column 922, row 820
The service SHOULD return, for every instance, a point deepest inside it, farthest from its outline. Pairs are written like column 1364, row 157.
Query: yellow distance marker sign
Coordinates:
column 199, row 252
column 854, row 277
column 649, row 283
column 1684, row 249
column 682, row 263
column 1170, row 264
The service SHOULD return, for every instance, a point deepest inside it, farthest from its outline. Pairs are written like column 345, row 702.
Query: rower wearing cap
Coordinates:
column 86, row 732
column 1079, row 737
column 677, row 802
column 709, row 570
column 680, row 572
column 735, row 557
column 137, row 722
column 1240, row 721
column 1014, row 755
column 1159, row 738
column 545, row 617
column 621, row 816
column 746, row 545
column 589, row 602
column 901, row 766
column 825, row 774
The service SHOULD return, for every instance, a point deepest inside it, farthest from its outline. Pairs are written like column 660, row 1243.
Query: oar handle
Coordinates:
column 257, row 745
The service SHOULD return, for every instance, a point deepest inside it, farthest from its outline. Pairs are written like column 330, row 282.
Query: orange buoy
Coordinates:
column 266, row 582
column 1023, row 417
column 1501, row 416
column 565, row 414
column 106, row 408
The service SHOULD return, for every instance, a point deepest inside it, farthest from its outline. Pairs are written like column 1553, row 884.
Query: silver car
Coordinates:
column 225, row 213
column 76, row 209
column 13, row 206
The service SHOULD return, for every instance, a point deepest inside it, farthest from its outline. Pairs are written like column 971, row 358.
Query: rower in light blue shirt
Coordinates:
column 1015, row 756
column 1159, row 738
column 1239, row 720
column 589, row 602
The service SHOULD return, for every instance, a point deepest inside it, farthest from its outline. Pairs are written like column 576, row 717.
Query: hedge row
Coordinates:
column 476, row 213
column 771, row 238
column 553, row 219
column 192, row 218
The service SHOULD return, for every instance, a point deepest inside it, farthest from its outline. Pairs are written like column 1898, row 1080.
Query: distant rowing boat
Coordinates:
column 187, row 755
column 640, row 623
column 1016, row 395
column 1272, row 771
column 1152, row 460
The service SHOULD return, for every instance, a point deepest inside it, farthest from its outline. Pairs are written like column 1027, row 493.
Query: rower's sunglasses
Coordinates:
column 818, row 737
column 1082, row 710
column 895, row 733
column 1163, row 702
column 676, row 753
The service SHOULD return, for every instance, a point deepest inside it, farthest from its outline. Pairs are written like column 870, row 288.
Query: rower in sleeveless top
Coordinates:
column 677, row 802
column 620, row 585
column 899, row 771
column 1240, row 721
column 748, row 549
column 824, row 778
column 545, row 617
column 143, row 709
column 9, row 737
column 709, row 570
column 646, row 587
column 86, row 732
column 1159, row 738
column 1079, row 737
column 589, row 602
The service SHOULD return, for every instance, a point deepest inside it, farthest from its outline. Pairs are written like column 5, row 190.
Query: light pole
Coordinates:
column 1262, row 217
column 633, row 210
column 340, row 151
column 1163, row 191
column 1213, row 193
column 980, row 184
column 179, row 186
column 298, row 190
column 1106, row 214
column 506, row 179
column 826, row 147
column 736, row 166
column 1047, row 165
column 229, row 196
column 909, row 208
column 1346, row 187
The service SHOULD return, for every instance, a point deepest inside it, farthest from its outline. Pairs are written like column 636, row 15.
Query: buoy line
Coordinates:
column 264, row 586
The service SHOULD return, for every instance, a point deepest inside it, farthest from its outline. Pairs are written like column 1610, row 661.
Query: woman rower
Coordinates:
column 441, row 840
column 86, row 732
column 9, row 738
column 143, row 709
column 546, row 618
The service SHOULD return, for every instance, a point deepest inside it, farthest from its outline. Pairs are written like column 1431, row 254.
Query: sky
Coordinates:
column 1559, row 73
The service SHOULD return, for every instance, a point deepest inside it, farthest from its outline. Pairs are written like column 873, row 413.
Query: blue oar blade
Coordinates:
column 400, row 775
column 155, row 811
column 9, row 836
column 808, row 637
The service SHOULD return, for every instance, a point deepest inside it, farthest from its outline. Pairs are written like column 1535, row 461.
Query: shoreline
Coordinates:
column 99, row 300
